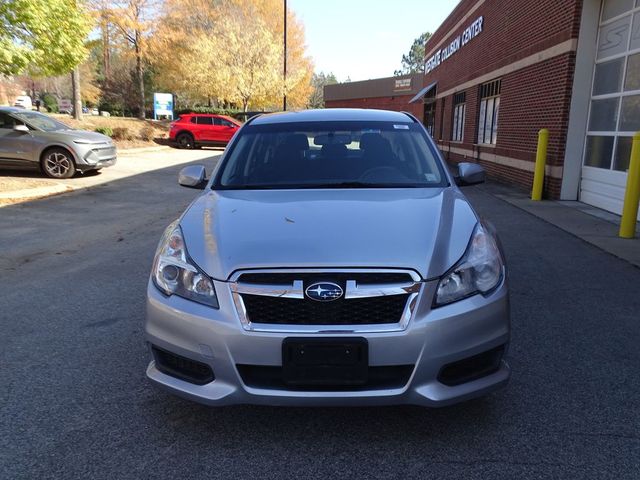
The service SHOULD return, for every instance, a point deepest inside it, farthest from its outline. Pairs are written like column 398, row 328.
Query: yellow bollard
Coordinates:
column 632, row 193
column 541, row 162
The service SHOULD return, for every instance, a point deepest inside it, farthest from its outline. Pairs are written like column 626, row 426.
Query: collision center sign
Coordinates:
column 469, row 33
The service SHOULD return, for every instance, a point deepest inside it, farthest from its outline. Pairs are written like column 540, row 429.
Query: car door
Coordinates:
column 16, row 148
column 195, row 128
column 224, row 129
column 205, row 125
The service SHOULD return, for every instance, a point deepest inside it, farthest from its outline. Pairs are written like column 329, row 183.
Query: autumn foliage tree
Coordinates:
column 231, row 53
column 226, row 53
column 43, row 37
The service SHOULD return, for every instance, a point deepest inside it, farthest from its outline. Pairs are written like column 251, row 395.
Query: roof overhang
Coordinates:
column 423, row 92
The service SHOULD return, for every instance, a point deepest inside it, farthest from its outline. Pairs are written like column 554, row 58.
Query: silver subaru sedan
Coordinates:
column 32, row 140
column 331, row 259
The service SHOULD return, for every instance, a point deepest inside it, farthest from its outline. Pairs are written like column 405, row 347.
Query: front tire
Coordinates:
column 58, row 163
column 186, row 140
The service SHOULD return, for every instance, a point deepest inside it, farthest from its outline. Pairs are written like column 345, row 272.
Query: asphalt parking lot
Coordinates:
column 74, row 402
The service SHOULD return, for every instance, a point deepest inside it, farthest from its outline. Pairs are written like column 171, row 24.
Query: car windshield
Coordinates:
column 41, row 122
column 331, row 155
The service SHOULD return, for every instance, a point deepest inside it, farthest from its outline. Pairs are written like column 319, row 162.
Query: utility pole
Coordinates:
column 284, row 98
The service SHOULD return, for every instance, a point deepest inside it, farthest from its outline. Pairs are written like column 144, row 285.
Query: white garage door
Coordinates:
column 615, row 106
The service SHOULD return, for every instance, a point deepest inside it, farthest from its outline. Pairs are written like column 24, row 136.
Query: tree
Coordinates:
column 298, row 86
column 231, row 53
column 252, row 73
column 185, row 51
column 318, row 82
column 132, row 20
column 413, row 62
column 44, row 37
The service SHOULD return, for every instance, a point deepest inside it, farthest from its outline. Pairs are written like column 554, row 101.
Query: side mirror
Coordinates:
column 470, row 174
column 193, row 176
column 21, row 128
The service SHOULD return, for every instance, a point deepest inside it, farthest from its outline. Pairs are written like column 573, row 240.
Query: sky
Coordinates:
column 364, row 39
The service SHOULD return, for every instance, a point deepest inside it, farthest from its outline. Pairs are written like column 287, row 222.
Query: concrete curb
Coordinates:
column 37, row 192
column 134, row 151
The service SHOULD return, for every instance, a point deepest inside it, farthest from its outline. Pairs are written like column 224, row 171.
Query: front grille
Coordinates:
column 363, row 278
column 379, row 378
column 105, row 153
column 354, row 311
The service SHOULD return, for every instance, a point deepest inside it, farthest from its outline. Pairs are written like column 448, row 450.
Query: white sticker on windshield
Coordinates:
column 401, row 127
column 431, row 177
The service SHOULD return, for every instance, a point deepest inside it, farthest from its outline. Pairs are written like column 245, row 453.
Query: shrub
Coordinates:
column 147, row 133
column 122, row 133
column 50, row 103
column 108, row 131
column 113, row 108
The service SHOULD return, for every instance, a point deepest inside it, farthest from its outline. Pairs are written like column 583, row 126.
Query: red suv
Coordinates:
column 196, row 129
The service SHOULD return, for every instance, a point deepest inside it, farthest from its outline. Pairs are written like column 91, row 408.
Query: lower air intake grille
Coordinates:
column 181, row 367
column 379, row 378
column 354, row 311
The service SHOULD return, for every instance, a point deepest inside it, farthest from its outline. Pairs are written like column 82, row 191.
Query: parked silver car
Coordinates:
column 33, row 140
column 331, row 260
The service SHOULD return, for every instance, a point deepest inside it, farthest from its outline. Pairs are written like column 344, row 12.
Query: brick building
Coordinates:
column 497, row 71
column 391, row 93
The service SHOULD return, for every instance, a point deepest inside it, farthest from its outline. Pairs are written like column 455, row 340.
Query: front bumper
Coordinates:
column 89, row 157
column 431, row 340
column 96, row 166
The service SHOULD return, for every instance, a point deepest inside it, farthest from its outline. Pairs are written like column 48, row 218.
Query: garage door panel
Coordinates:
column 604, row 189
column 610, row 177
column 605, row 203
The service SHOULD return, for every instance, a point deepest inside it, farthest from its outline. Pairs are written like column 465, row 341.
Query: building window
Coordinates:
column 430, row 111
column 489, row 110
column 459, row 111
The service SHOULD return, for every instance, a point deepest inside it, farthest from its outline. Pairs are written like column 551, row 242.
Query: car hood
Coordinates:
column 426, row 230
column 82, row 135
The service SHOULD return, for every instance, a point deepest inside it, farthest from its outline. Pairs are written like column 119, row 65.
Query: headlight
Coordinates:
column 479, row 271
column 175, row 274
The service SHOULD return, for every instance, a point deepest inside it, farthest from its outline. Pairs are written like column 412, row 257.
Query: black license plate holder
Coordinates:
column 325, row 361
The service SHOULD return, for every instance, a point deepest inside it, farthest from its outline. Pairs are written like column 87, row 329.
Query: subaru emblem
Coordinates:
column 324, row 292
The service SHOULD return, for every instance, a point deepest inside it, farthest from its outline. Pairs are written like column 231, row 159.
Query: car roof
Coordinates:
column 11, row 110
column 333, row 115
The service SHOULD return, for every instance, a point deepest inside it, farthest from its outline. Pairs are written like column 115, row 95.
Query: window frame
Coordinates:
column 459, row 117
column 435, row 159
column 489, row 94
column 203, row 117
